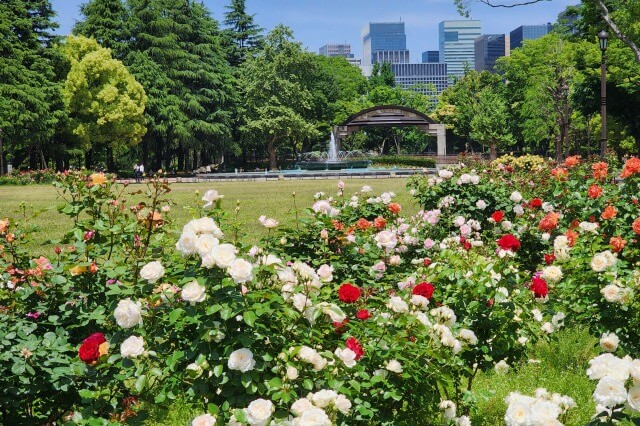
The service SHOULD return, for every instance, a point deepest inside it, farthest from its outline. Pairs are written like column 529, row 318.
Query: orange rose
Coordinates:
column 594, row 191
column 609, row 212
column 379, row 222
column 363, row 224
column 560, row 173
column 394, row 208
column 636, row 226
column 617, row 244
column 98, row 178
column 572, row 161
column 4, row 225
column 337, row 225
column 549, row 222
column 572, row 237
column 631, row 167
column 600, row 170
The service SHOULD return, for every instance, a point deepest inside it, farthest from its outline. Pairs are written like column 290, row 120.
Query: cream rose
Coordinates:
column 347, row 356
column 552, row 273
column 187, row 243
column 204, row 420
column 152, row 271
column 193, row 292
column 386, row 240
column 342, row 404
column 610, row 392
column 394, row 366
column 206, row 243
column 242, row 360
column 259, row 412
column 210, row 197
column 325, row 272
column 612, row 293
column 324, row 397
column 223, row 255
column 599, row 262
column 609, row 342
column 300, row 406
column 240, row 270
column 313, row 417
column 633, row 398
column 396, row 304
column 128, row 313
column 132, row 347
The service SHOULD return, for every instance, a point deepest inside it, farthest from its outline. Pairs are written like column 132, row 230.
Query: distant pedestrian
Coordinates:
column 136, row 172
column 141, row 171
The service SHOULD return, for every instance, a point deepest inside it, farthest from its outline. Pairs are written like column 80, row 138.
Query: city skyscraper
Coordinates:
column 337, row 49
column 528, row 32
column 457, row 48
column 431, row 57
column 383, row 36
column 419, row 77
column 488, row 48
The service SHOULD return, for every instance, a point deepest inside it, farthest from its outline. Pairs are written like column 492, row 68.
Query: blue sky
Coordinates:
column 318, row 22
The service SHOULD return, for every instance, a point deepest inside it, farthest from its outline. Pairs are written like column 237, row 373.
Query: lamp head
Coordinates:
column 603, row 37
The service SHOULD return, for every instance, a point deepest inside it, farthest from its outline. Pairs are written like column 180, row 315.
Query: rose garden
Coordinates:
column 357, row 314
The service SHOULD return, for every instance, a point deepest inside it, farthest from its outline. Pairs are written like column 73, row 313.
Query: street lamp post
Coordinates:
column 603, row 37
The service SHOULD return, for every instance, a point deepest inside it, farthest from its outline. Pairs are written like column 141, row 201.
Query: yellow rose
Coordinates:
column 98, row 178
column 77, row 270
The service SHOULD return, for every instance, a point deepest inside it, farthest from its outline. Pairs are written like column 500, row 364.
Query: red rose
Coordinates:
column 363, row 314
column 348, row 293
column 497, row 216
column 379, row 222
column 339, row 326
column 490, row 303
column 426, row 261
column 536, row 203
column 539, row 287
column 549, row 258
column 89, row 351
column 353, row 344
column 394, row 208
column 424, row 289
column 508, row 242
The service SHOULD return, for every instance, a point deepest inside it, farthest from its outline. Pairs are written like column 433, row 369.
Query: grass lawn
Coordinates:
column 271, row 198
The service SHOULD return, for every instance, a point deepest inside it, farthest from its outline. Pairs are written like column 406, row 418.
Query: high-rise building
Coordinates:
column 488, row 48
column 391, row 56
column 528, row 32
column 419, row 77
column 335, row 49
column 382, row 36
column 457, row 48
column 431, row 57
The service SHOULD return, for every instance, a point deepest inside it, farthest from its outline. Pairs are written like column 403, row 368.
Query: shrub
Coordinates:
column 403, row 161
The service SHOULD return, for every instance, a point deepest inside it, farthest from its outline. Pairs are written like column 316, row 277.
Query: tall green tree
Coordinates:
column 105, row 104
column 489, row 125
column 30, row 99
column 382, row 75
column 275, row 94
column 242, row 32
column 104, row 21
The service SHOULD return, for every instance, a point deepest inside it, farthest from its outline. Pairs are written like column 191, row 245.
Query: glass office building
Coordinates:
column 431, row 57
column 528, row 32
column 420, row 77
column 382, row 36
column 488, row 48
column 457, row 45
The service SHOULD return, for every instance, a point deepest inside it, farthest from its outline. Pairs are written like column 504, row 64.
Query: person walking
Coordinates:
column 141, row 171
column 136, row 172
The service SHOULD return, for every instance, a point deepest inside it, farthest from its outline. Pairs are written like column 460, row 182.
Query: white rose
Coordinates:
column 449, row 409
column 537, row 315
column 599, row 262
column 543, row 412
column 128, row 313
column 313, row 417
column 300, row 406
column 205, row 243
column 204, row 420
column 501, row 367
column 342, row 404
column 292, row 373
column 242, row 360
column 187, row 243
column 516, row 197
column 152, row 271
column 445, row 174
column 517, row 414
column 204, row 225
column 609, row 342
column 268, row 223
column 394, row 366
column 325, row 272
column 633, row 398
column 481, row 204
column 548, row 328
column 634, row 370
column 610, row 392
column 132, row 347
column 386, row 240
column 301, row 301
column 396, row 304
column 193, row 292
column 240, row 270
column 507, row 225
column 468, row 336
column 324, row 397
column 366, row 188
column 612, row 293
column 347, row 356
column 459, row 221
column 259, row 412
column 463, row 421
column 552, row 273
column 223, row 255
column 518, row 210
column 210, row 197
column 194, row 370
column 322, row 206
column 395, row 260
column 419, row 301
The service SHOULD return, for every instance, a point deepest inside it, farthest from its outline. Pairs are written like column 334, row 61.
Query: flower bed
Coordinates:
column 358, row 315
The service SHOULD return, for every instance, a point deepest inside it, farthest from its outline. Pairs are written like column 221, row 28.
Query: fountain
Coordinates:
column 333, row 159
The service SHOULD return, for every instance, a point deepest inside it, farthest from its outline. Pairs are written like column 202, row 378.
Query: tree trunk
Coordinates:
column 559, row 139
column 111, row 166
column 273, row 159
column 181, row 155
column 493, row 151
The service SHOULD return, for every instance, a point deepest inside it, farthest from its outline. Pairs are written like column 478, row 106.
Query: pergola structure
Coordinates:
column 391, row 116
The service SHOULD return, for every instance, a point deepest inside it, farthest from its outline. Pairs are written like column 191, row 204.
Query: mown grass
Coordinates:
column 563, row 362
column 271, row 198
